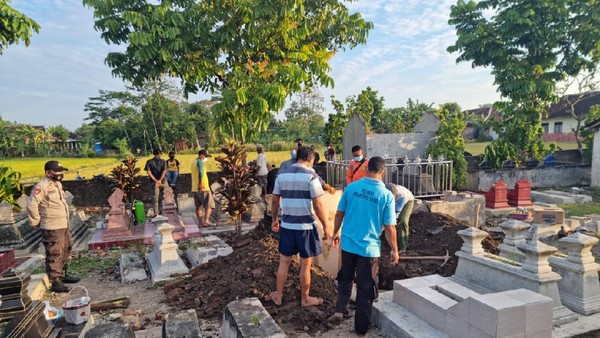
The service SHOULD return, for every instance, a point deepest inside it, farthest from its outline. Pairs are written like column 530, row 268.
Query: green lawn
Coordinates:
column 32, row 169
column 477, row 148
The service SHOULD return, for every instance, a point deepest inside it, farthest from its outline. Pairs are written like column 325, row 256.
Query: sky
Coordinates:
column 49, row 82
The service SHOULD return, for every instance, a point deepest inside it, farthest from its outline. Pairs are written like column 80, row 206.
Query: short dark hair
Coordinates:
column 299, row 140
column 259, row 150
column 305, row 154
column 156, row 152
column 376, row 164
column 356, row 148
column 171, row 153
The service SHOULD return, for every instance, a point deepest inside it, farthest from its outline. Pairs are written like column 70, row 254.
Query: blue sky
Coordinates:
column 49, row 82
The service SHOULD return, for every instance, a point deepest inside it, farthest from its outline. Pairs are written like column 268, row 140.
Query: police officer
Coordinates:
column 49, row 210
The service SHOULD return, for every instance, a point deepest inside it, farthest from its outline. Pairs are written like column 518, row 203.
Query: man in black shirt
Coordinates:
column 157, row 169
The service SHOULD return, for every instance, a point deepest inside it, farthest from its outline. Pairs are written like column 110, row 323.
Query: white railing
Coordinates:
column 424, row 178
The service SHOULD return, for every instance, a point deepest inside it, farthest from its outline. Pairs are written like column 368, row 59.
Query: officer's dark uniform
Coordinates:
column 49, row 210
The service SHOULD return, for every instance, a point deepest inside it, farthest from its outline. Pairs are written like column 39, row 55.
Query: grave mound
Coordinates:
column 250, row 272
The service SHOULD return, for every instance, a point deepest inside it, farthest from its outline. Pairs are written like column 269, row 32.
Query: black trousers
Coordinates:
column 58, row 249
column 362, row 271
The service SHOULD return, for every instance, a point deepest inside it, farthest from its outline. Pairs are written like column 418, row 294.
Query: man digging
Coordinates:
column 48, row 210
column 296, row 190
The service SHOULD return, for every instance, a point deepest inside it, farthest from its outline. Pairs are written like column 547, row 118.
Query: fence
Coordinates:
column 429, row 178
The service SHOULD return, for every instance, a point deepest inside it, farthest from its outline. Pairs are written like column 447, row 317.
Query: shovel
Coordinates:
column 444, row 258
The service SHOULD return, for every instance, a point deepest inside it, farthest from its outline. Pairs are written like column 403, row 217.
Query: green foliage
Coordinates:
column 237, row 180
column 23, row 140
column 14, row 26
column 400, row 119
column 530, row 46
column 60, row 132
column 10, row 186
column 450, row 142
column 304, row 118
column 497, row 152
column 253, row 54
column 123, row 147
column 335, row 126
column 124, row 177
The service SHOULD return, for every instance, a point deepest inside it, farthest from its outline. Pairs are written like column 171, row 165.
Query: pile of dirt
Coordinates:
column 250, row 271
column 431, row 234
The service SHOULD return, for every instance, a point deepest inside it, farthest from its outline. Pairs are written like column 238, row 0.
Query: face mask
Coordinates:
column 358, row 158
column 299, row 145
column 204, row 159
column 56, row 177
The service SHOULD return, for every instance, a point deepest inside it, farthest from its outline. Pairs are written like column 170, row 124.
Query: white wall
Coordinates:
column 596, row 161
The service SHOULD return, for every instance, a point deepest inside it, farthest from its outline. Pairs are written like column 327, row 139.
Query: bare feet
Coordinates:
column 275, row 298
column 311, row 301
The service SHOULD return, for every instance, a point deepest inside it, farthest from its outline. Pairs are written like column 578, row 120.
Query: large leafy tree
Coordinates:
column 530, row 45
column 304, row 117
column 253, row 53
column 14, row 26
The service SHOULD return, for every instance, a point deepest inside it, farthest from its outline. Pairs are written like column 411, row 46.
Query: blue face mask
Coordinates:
column 358, row 158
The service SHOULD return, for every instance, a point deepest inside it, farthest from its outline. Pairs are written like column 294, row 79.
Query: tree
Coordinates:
column 450, row 142
column 304, row 117
column 588, row 135
column 14, row 26
column 530, row 46
column 60, row 132
column 254, row 54
column 112, row 105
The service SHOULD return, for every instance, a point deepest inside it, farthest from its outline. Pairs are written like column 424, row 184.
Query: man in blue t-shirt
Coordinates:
column 296, row 191
column 365, row 209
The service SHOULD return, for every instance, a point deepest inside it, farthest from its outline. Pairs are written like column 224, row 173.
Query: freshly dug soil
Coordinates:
column 250, row 271
column 431, row 234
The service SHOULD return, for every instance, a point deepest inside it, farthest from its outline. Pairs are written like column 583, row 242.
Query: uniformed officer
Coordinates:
column 49, row 210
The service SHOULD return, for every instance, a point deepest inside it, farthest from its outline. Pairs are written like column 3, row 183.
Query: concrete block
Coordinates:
column 474, row 332
column 539, row 334
column 456, row 327
column 437, row 279
column 538, row 309
column 204, row 249
column 131, row 268
column 248, row 318
column 110, row 330
column 38, row 286
column 456, row 291
column 396, row 321
column 401, row 295
column 497, row 315
column 431, row 306
column 460, row 310
column 181, row 325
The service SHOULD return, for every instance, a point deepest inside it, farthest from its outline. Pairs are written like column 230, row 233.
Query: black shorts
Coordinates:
column 303, row 242
column 204, row 199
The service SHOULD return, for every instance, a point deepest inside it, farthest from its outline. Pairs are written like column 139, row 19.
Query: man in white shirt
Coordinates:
column 263, row 170
column 405, row 202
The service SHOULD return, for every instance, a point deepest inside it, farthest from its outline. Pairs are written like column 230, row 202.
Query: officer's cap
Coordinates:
column 54, row 166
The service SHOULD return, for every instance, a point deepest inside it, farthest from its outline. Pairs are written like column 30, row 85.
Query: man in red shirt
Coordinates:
column 357, row 168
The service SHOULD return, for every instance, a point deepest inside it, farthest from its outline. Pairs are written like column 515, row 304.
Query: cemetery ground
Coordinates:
column 250, row 272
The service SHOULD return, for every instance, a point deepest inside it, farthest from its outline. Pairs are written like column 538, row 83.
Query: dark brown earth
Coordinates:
column 431, row 234
column 250, row 271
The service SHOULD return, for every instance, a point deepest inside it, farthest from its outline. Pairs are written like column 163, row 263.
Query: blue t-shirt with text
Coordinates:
column 368, row 206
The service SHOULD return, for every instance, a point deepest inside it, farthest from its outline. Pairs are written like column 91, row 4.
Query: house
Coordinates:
column 485, row 114
column 560, row 124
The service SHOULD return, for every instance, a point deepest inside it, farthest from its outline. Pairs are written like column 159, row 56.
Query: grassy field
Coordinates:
column 32, row 169
column 477, row 148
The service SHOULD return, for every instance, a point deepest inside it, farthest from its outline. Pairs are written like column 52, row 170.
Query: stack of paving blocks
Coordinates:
column 460, row 312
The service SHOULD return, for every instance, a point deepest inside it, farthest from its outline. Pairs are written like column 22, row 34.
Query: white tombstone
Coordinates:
column 164, row 261
column 6, row 213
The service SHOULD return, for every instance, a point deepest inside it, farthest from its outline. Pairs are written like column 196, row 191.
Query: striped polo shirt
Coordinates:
column 297, row 187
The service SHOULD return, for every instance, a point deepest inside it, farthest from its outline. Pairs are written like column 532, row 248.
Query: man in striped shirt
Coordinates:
column 296, row 191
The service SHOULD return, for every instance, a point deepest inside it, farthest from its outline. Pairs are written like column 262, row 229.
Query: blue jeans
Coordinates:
column 171, row 178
